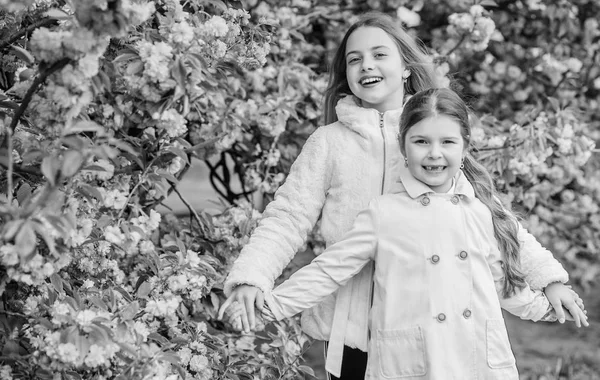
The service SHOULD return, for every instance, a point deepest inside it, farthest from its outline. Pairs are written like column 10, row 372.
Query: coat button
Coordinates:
column 454, row 199
column 463, row 255
column 467, row 313
column 435, row 259
column 441, row 317
column 425, row 201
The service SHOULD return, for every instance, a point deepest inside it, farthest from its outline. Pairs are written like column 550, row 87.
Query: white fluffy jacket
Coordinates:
column 341, row 168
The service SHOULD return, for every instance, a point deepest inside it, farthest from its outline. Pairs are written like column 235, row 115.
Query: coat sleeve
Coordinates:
column 524, row 303
column 538, row 265
column 287, row 220
column 327, row 272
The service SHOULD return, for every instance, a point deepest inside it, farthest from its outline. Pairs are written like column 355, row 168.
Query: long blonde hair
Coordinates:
column 443, row 101
column 415, row 59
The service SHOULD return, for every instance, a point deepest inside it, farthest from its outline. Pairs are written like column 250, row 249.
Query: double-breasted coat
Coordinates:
column 436, row 310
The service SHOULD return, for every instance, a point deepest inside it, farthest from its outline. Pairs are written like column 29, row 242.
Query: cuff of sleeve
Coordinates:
column 273, row 307
column 236, row 278
column 544, row 308
column 547, row 276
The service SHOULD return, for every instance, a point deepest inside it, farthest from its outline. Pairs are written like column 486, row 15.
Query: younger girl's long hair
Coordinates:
column 443, row 101
column 422, row 72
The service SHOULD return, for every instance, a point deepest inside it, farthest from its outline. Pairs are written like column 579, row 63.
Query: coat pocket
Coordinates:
column 401, row 352
column 499, row 353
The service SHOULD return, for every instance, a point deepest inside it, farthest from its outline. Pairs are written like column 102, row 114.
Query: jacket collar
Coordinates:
column 416, row 188
column 362, row 120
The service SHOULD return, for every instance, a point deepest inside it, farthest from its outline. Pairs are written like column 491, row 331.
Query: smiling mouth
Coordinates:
column 370, row 80
column 434, row 168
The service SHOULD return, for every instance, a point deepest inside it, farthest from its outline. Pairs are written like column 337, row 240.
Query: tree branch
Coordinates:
column 10, row 39
column 34, row 86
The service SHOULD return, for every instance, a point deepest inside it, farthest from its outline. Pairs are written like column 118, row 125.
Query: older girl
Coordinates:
column 342, row 166
column 446, row 257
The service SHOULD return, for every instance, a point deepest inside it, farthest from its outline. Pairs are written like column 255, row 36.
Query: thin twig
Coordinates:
column 457, row 45
column 9, row 189
column 11, row 313
column 136, row 186
column 189, row 206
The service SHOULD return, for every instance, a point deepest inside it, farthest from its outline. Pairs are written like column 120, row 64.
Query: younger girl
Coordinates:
column 446, row 259
column 342, row 166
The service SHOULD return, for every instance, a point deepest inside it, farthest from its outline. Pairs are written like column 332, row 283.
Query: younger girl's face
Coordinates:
column 374, row 69
column 434, row 149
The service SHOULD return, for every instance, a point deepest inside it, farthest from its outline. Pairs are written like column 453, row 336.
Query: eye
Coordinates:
column 449, row 142
column 353, row 60
column 380, row 55
column 420, row 141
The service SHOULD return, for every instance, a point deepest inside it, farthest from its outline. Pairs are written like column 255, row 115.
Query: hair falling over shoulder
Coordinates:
column 504, row 221
column 412, row 51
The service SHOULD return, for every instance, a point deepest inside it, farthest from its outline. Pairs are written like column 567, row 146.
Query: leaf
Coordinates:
column 83, row 345
column 124, row 293
column 98, row 302
column 159, row 339
column 26, row 240
column 84, row 126
column 135, row 67
column 180, row 153
column 169, row 357
column 49, row 169
column 144, row 290
column 130, row 311
column 170, row 177
column 56, row 14
column 23, row 54
column 215, row 301
column 307, row 370
column 11, row 228
column 42, row 230
column 9, row 104
column 72, row 161
column 90, row 192
column 126, row 57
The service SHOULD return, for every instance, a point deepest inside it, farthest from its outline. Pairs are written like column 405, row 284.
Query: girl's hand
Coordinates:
column 234, row 314
column 563, row 298
column 247, row 296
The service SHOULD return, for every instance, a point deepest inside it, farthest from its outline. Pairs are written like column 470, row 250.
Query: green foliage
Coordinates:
column 103, row 105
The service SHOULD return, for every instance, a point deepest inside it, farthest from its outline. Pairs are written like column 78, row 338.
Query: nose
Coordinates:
column 435, row 151
column 367, row 64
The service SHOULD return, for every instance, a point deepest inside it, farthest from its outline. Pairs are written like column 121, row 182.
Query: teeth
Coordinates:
column 434, row 168
column 370, row 80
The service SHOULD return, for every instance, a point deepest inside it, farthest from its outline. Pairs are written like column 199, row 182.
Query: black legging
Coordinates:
column 354, row 364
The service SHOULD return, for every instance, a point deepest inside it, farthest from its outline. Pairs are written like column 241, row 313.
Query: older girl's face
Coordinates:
column 434, row 149
column 375, row 69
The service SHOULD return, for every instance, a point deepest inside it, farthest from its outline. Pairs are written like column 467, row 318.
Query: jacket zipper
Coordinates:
column 372, row 290
column 384, row 150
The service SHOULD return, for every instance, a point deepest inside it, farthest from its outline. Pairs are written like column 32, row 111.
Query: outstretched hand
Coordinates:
column 247, row 298
column 563, row 298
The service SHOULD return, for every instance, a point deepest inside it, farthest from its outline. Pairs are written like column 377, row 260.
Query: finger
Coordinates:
column 245, row 323
column 572, row 313
column 260, row 300
column 580, row 303
column 578, row 315
column 249, row 302
column 224, row 307
column 558, row 308
column 584, row 319
column 236, row 313
column 237, row 324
